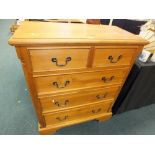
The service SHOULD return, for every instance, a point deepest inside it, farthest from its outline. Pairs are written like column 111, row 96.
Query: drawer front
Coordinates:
column 77, row 113
column 104, row 57
column 68, row 82
column 58, row 102
column 59, row 58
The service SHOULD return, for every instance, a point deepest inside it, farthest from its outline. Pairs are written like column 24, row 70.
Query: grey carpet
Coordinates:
column 17, row 116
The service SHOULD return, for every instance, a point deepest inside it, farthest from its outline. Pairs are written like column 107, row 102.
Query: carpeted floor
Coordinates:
column 17, row 116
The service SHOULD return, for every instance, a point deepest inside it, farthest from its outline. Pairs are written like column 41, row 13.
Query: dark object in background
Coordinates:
column 139, row 88
column 93, row 21
column 105, row 21
column 132, row 26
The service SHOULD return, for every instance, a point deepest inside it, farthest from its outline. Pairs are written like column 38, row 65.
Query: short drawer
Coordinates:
column 69, row 82
column 77, row 113
column 104, row 57
column 59, row 58
column 77, row 98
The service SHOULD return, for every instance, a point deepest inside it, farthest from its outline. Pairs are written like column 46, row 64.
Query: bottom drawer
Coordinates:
column 78, row 113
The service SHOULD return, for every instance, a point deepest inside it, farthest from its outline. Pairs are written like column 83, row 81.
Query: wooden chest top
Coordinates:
column 63, row 33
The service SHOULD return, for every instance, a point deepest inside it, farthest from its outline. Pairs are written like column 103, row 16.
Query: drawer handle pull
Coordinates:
column 112, row 59
column 58, row 85
column 61, row 105
column 108, row 79
column 101, row 96
column 62, row 119
column 54, row 60
column 96, row 111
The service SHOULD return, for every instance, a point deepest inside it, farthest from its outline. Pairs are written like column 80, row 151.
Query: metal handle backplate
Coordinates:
column 101, row 96
column 112, row 59
column 105, row 79
column 96, row 111
column 62, row 118
column 58, row 85
column 54, row 60
column 61, row 104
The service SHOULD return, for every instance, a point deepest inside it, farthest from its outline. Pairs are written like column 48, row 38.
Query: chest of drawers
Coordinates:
column 74, row 72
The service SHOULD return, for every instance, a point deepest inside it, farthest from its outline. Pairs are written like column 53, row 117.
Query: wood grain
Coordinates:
column 67, row 82
column 61, row 33
column 77, row 98
column 105, row 57
column 77, row 113
column 95, row 80
column 50, row 129
column 42, row 58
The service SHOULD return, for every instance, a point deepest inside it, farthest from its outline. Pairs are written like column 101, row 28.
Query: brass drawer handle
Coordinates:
column 102, row 96
column 105, row 79
column 54, row 60
column 58, row 85
column 111, row 58
column 62, row 118
column 96, row 111
column 61, row 105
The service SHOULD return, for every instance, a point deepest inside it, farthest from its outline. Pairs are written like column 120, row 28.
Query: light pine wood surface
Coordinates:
column 63, row 33
column 74, row 72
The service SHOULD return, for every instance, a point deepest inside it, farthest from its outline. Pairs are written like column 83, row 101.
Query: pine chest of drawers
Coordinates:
column 74, row 71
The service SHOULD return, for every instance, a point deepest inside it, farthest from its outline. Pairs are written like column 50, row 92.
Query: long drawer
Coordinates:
column 77, row 98
column 68, row 82
column 78, row 113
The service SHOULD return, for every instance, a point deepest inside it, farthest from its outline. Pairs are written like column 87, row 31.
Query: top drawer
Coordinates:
column 113, row 56
column 59, row 58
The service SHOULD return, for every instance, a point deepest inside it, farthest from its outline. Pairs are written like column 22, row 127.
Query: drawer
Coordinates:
column 77, row 98
column 78, row 113
column 59, row 58
column 104, row 57
column 69, row 82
